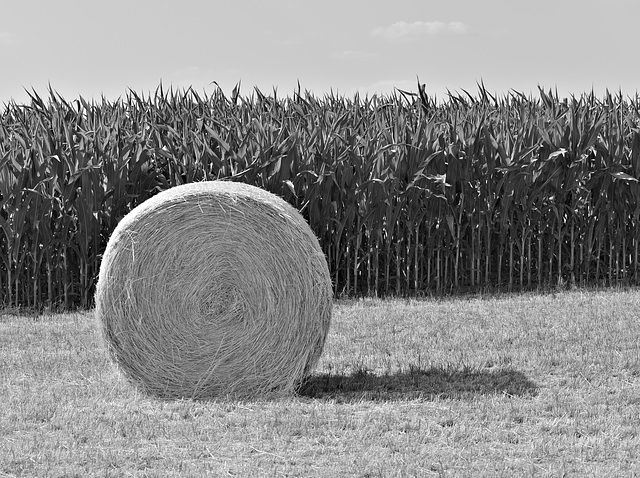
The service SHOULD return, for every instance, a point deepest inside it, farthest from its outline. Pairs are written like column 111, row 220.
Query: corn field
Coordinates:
column 407, row 195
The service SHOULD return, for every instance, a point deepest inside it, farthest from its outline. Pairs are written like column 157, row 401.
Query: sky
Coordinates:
column 93, row 49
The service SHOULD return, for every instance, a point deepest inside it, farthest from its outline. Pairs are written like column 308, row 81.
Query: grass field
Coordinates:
column 519, row 385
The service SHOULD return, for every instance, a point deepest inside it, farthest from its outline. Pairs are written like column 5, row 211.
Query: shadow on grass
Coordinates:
column 429, row 384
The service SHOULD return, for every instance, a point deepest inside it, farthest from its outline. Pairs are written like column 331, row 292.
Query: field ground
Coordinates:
column 513, row 385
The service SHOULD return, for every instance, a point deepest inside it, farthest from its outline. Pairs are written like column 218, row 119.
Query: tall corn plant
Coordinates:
column 407, row 195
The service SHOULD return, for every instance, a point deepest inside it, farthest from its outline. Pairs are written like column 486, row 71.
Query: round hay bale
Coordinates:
column 214, row 289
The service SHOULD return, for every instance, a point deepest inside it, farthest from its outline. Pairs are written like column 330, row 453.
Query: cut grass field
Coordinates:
column 517, row 385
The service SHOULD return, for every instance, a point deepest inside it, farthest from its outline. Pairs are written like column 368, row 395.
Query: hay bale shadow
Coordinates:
column 427, row 384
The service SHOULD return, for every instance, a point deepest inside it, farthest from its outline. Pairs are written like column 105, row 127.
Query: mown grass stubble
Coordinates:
column 523, row 384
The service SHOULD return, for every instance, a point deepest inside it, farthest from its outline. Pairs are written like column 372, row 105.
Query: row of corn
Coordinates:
column 408, row 195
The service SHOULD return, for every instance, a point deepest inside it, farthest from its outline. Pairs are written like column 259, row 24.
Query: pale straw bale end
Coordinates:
column 214, row 289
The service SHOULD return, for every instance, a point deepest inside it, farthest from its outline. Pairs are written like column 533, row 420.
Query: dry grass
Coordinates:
column 213, row 289
column 522, row 385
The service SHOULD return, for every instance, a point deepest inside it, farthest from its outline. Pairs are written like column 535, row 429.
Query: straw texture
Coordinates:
column 214, row 289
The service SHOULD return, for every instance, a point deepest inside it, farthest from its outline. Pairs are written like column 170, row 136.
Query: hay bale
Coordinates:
column 214, row 289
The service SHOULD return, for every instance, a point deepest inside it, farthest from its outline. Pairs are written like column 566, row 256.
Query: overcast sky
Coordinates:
column 90, row 48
